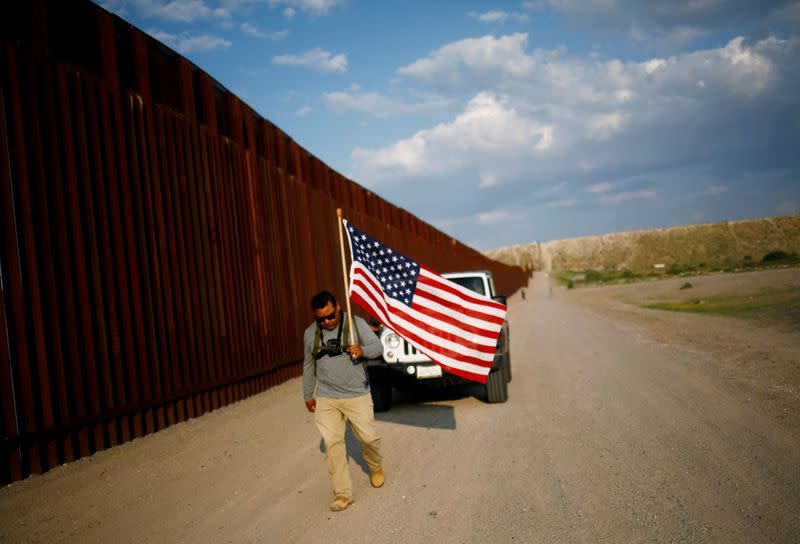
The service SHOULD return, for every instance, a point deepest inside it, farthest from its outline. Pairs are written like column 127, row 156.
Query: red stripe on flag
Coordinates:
column 466, row 311
column 451, row 320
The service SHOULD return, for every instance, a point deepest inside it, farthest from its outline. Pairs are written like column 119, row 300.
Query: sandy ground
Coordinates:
column 623, row 425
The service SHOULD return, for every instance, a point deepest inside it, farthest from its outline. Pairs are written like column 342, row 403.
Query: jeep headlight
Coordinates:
column 392, row 340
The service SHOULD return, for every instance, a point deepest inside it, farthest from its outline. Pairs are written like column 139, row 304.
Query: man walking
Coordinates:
column 336, row 390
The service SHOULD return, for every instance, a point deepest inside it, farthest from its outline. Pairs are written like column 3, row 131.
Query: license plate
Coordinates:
column 434, row 371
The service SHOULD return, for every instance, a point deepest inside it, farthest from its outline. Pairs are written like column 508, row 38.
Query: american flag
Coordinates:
column 455, row 327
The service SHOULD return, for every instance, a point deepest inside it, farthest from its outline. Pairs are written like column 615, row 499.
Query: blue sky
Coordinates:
column 511, row 122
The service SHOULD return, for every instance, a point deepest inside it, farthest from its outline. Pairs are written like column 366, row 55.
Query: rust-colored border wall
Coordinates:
column 159, row 239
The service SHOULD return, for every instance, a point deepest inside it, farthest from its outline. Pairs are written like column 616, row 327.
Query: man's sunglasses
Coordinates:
column 329, row 317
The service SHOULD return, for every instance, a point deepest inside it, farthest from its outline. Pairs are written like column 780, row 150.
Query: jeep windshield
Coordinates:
column 472, row 283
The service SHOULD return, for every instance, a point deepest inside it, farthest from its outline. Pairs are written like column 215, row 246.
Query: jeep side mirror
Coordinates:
column 501, row 299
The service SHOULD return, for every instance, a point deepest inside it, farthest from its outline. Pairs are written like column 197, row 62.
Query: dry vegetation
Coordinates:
column 699, row 247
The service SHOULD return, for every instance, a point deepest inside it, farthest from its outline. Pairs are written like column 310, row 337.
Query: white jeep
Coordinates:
column 404, row 367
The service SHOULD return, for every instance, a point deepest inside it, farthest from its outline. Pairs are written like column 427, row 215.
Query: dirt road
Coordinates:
column 609, row 435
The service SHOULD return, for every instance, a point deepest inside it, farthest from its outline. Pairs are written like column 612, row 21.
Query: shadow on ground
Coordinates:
column 413, row 407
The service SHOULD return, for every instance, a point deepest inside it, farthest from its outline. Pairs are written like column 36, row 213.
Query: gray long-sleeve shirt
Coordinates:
column 339, row 376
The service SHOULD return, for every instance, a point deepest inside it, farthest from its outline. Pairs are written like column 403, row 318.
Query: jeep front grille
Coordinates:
column 408, row 349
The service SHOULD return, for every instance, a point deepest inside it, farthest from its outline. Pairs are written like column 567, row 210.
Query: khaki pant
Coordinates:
column 330, row 416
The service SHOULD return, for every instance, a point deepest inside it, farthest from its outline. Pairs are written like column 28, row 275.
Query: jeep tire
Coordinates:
column 496, row 387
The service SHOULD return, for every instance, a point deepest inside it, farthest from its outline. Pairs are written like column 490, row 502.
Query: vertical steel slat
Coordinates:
column 13, row 340
column 70, row 355
column 35, row 394
column 126, row 358
column 246, row 265
column 276, row 262
column 272, row 337
column 234, row 343
column 177, row 270
column 211, row 227
column 190, row 272
column 246, row 260
column 192, row 189
column 56, row 395
column 96, row 372
column 254, row 208
column 139, row 240
column 132, row 305
column 252, row 204
column 229, row 302
column 165, row 228
column 112, row 361
column 85, row 398
column 237, row 244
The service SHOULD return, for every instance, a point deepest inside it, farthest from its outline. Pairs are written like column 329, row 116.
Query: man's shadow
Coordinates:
column 353, row 447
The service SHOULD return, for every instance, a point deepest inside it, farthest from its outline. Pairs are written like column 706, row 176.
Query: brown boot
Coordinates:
column 341, row 502
column 377, row 478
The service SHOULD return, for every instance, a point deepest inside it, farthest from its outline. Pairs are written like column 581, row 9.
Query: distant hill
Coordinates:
column 708, row 246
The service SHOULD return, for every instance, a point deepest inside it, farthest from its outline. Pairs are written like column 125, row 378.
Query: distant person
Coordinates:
column 336, row 390
column 523, row 294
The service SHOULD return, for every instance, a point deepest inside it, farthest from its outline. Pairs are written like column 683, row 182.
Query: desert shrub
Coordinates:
column 570, row 284
column 773, row 256
column 675, row 269
column 593, row 276
column 687, row 285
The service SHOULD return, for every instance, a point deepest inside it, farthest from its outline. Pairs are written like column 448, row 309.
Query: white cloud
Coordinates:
column 251, row 29
column 488, row 129
column 185, row 43
column 505, row 55
column 653, row 64
column 289, row 13
column 494, row 216
column 602, row 187
column 378, row 105
column 316, row 7
column 317, row 59
column 627, row 195
column 183, row 11
column 488, row 180
column 498, row 16
column 601, row 127
column 303, row 112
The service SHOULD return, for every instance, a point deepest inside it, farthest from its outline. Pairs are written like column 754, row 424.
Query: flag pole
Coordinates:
column 344, row 275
